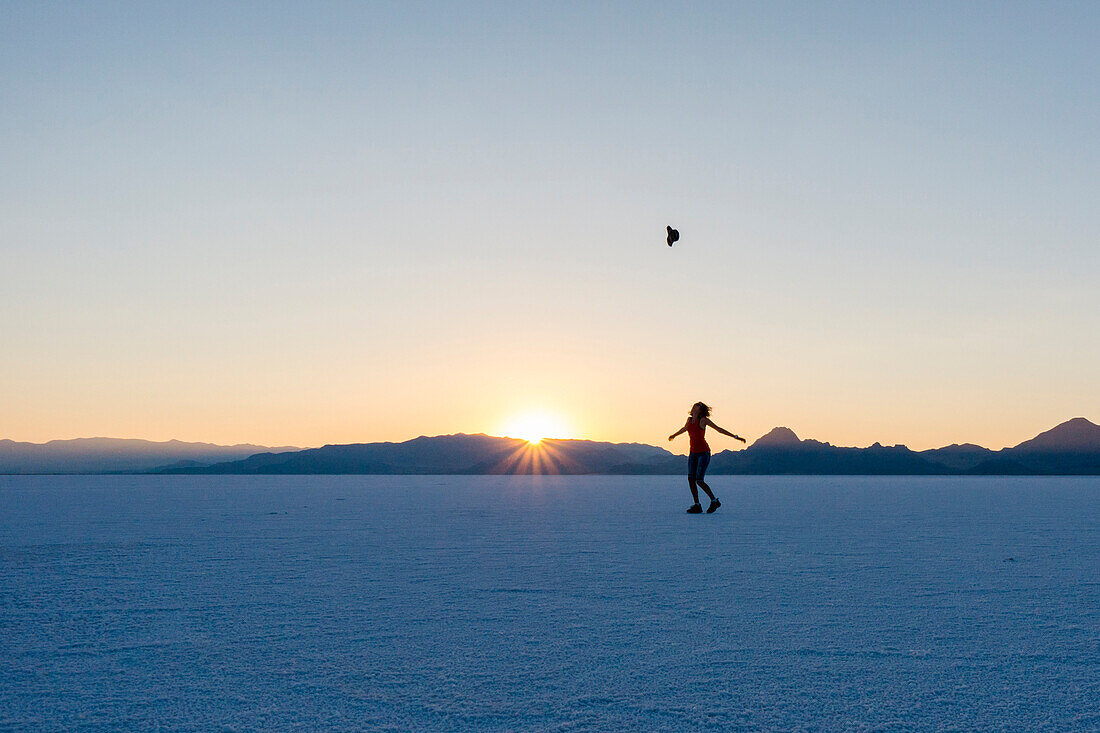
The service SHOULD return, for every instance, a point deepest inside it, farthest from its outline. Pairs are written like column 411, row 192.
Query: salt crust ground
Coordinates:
column 583, row 603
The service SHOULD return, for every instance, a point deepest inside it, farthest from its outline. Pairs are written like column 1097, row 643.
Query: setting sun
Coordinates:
column 536, row 425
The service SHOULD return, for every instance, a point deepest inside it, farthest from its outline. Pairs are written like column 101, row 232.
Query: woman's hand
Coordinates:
column 670, row 438
column 738, row 437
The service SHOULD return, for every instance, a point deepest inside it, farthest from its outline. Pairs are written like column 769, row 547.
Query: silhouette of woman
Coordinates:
column 699, row 454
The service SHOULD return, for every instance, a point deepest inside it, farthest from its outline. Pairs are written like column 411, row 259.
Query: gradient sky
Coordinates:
column 311, row 223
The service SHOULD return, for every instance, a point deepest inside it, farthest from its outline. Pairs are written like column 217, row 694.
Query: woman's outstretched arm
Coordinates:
column 723, row 431
column 680, row 430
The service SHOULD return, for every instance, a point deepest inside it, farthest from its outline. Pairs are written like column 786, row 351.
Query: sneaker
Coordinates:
column 714, row 504
column 695, row 509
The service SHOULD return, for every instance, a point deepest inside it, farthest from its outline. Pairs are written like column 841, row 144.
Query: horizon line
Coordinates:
column 289, row 448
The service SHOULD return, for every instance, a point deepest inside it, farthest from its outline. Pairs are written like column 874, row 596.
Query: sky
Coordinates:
column 300, row 224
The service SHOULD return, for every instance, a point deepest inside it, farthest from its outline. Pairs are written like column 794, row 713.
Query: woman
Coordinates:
column 699, row 454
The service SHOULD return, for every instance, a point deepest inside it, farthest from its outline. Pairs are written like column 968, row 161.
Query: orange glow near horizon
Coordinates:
column 534, row 426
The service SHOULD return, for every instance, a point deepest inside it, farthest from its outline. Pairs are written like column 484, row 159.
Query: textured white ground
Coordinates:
column 583, row 603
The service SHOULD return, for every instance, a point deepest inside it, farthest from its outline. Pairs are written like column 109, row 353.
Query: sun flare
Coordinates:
column 536, row 426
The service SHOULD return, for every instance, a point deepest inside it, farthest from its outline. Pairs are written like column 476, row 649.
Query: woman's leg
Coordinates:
column 693, row 469
column 700, row 472
column 694, row 491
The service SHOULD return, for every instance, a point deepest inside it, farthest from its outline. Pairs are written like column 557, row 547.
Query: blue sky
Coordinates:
column 343, row 222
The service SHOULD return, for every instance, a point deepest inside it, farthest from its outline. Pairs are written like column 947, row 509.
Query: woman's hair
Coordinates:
column 705, row 408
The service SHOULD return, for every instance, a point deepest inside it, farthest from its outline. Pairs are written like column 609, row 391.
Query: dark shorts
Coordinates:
column 697, row 465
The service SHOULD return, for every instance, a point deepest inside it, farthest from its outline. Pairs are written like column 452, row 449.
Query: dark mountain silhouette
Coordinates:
column 777, row 438
column 1076, row 435
column 444, row 454
column 449, row 454
column 1067, row 449
column 999, row 465
column 961, row 457
column 1070, row 448
column 781, row 452
column 115, row 455
column 578, row 457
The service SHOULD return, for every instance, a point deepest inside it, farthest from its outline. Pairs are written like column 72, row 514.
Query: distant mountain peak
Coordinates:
column 778, row 437
column 1073, row 435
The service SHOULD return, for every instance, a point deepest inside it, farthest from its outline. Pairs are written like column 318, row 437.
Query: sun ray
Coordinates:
column 537, row 459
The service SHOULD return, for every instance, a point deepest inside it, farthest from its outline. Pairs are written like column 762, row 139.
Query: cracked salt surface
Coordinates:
column 561, row 603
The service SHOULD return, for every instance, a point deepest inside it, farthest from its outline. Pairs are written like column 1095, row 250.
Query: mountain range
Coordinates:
column 1071, row 448
column 117, row 455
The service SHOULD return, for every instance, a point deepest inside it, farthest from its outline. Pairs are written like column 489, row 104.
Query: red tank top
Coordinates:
column 698, row 444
